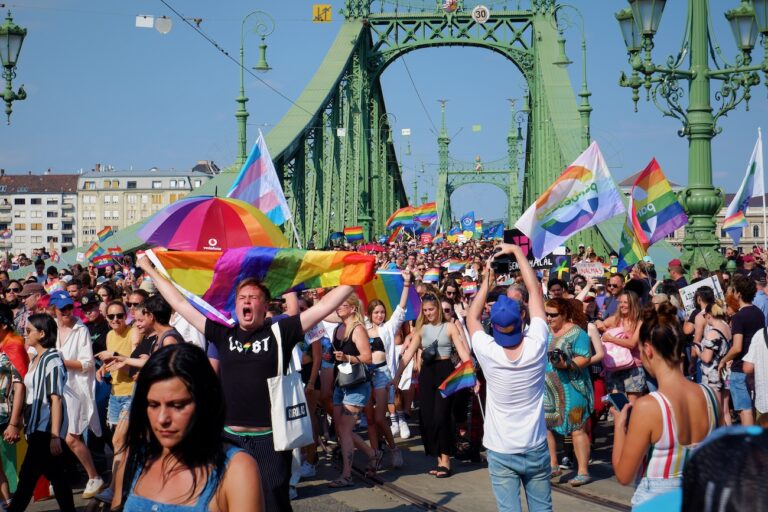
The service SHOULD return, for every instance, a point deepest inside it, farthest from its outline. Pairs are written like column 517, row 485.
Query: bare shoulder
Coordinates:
column 241, row 468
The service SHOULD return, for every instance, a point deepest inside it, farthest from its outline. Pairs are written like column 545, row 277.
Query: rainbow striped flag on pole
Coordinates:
column 752, row 186
column 387, row 286
column 462, row 377
column 654, row 212
column 258, row 184
column 353, row 233
column 583, row 196
column 93, row 251
column 105, row 233
column 401, row 217
column 432, row 275
column 395, row 235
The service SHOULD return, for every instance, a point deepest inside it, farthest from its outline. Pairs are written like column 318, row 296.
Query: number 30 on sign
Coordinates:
column 481, row 14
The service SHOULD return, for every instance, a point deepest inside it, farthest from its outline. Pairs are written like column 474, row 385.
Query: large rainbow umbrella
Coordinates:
column 207, row 223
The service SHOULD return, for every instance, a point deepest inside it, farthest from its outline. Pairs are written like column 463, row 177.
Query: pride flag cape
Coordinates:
column 353, row 233
column 432, row 275
column 387, row 286
column 654, row 212
column 258, row 184
column 462, row 377
column 105, row 233
column 583, row 196
column 208, row 279
column 752, row 186
column 93, row 251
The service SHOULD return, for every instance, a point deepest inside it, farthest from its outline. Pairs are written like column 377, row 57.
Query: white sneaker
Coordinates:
column 93, row 487
column 307, row 470
column 405, row 432
column 292, row 493
column 394, row 427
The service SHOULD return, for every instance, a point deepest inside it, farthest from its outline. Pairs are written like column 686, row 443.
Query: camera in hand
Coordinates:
column 503, row 264
column 555, row 356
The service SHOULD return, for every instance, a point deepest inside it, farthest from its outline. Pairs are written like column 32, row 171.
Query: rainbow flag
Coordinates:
column 752, row 186
column 93, row 251
column 469, row 287
column 395, row 234
column 103, row 260
column 439, row 238
column 353, row 233
column 105, row 233
column 207, row 279
column 479, row 228
column 54, row 286
column 387, row 286
column 454, row 265
column 258, row 184
column 55, row 258
column 426, row 213
column 462, row 377
column 432, row 276
column 116, row 252
column 654, row 212
column 402, row 217
column 583, row 196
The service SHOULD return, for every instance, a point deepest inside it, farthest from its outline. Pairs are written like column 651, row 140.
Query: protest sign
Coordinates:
column 590, row 269
column 687, row 293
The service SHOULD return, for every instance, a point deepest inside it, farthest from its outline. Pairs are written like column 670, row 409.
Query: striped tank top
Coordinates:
column 666, row 458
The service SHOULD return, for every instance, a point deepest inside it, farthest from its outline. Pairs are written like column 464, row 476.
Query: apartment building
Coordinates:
column 107, row 197
column 37, row 211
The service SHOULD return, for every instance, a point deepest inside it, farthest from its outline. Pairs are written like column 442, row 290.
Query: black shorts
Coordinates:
column 306, row 371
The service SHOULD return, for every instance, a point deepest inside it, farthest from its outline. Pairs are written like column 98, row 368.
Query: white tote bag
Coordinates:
column 291, row 424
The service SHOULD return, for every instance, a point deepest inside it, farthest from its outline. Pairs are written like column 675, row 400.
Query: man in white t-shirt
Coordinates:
column 756, row 361
column 514, row 365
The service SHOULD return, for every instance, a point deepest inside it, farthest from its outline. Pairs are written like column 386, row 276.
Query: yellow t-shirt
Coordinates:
column 122, row 383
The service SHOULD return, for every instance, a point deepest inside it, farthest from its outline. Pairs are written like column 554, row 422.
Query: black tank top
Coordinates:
column 346, row 346
column 377, row 345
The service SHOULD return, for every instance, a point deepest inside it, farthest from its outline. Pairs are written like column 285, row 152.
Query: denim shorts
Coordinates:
column 118, row 406
column 382, row 377
column 651, row 487
column 741, row 400
column 357, row 396
column 631, row 380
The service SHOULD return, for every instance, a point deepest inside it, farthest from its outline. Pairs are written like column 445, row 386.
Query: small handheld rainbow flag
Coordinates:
column 454, row 265
column 432, row 275
column 116, row 252
column 54, row 286
column 479, row 228
column 93, row 251
column 469, row 287
column 103, row 260
column 462, row 377
column 439, row 238
column 353, row 233
column 387, row 286
column 105, row 233
column 395, row 234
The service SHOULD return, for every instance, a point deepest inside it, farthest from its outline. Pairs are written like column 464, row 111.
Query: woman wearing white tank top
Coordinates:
column 670, row 421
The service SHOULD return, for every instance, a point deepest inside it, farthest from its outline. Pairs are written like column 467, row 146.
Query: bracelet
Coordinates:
column 14, row 425
column 406, row 284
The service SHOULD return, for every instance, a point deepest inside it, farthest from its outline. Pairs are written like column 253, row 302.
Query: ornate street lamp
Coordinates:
column 265, row 25
column 662, row 84
column 11, row 38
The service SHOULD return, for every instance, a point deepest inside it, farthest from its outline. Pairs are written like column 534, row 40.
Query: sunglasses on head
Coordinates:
column 116, row 316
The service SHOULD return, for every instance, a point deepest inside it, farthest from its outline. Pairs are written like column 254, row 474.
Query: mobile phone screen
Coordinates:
column 619, row 400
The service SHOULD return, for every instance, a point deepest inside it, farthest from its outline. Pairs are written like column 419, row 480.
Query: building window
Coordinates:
column 756, row 231
column 36, row 200
column 20, row 239
column 35, row 239
column 115, row 215
column 157, row 199
column 131, row 214
column 157, row 184
column 51, row 202
column 36, row 226
column 19, row 214
column 89, row 185
column 172, row 184
column 198, row 183
column 115, row 183
column 115, row 199
column 107, row 199
column 107, row 214
column 131, row 185
column 131, row 199
column 52, row 227
column 144, row 198
column 19, row 200
column 53, row 215
column 67, row 240
column 54, row 239
column 66, row 226
column 36, row 214
column 20, row 227
column 107, row 183
column 89, row 199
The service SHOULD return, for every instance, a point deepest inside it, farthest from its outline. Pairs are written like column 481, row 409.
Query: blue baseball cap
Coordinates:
column 506, row 322
column 61, row 299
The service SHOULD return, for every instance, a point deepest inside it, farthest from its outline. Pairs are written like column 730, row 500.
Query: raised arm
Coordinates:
column 406, row 288
column 325, row 307
column 172, row 295
column 476, row 308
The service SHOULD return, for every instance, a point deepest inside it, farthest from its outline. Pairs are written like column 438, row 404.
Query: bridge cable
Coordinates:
column 418, row 95
column 237, row 62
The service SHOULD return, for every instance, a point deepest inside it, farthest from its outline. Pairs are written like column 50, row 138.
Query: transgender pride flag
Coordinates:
column 752, row 186
column 257, row 184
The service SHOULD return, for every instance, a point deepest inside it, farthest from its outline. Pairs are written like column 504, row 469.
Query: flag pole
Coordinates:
column 762, row 171
column 296, row 234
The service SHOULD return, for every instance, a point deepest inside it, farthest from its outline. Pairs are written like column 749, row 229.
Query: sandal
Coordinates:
column 344, row 481
column 580, row 480
column 374, row 463
column 443, row 472
column 555, row 472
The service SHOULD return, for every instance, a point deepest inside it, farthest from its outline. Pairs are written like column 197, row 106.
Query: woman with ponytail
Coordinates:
column 656, row 440
column 714, row 345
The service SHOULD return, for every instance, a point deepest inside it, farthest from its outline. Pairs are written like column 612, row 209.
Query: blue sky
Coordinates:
column 101, row 90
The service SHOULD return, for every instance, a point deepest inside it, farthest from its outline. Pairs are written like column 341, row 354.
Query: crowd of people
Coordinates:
column 115, row 371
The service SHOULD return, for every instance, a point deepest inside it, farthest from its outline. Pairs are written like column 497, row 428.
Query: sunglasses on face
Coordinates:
column 611, row 286
column 552, row 315
column 116, row 316
column 450, row 292
column 131, row 305
column 13, row 290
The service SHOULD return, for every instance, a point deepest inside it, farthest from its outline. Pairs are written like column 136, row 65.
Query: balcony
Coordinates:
column 5, row 244
column 6, row 218
column 67, row 217
column 69, row 231
column 67, row 206
column 5, row 207
column 67, row 244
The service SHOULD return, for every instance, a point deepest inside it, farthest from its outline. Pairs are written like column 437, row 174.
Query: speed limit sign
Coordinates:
column 481, row 14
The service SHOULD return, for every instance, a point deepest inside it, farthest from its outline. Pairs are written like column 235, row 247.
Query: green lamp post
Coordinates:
column 265, row 25
column 662, row 84
column 11, row 38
